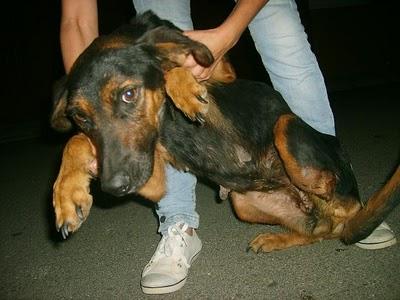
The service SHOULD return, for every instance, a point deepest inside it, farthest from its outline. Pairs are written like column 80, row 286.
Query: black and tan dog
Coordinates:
column 138, row 110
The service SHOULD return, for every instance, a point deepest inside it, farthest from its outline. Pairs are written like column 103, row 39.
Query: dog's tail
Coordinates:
column 374, row 212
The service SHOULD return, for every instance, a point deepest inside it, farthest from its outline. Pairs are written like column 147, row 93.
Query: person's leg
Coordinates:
column 175, row 11
column 179, row 202
column 168, row 268
column 282, row 44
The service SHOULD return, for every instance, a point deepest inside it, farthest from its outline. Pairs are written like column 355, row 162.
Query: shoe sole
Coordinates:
column 376, row 246
column 163, row 289
column 170, row 288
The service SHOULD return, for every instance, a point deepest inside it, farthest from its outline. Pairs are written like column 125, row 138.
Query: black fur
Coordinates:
column 237, row 147
column 252, row 115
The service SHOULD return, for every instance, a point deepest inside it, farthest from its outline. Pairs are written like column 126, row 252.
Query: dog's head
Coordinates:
column 115, row 95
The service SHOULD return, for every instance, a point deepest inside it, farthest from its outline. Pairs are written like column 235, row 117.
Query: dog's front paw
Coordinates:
column 188, row 95
column 72, row 203
column 71, row 191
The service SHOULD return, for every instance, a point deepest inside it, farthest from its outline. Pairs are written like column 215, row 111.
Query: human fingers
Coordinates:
column 198, row 72
column 189, row 62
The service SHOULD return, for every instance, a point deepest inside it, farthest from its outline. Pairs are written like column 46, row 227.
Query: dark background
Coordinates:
column 354, row 42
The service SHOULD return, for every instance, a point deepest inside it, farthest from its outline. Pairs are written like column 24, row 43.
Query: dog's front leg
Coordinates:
column 71, row 196
column 188, row 95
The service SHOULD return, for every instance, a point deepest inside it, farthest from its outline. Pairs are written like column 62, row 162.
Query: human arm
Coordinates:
column 222, row 38
column 78, row 28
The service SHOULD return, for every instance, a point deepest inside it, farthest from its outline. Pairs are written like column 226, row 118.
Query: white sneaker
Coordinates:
column 381, row 237
column 168, row 268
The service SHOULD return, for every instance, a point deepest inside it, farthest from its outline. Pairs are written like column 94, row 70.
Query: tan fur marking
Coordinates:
column 273, row 207
column 84, row 105
column 319, row 182
column 223, row 72
column 154, row 188
column 107, row 91
column 106, row 94
column 116, row 43
column 153, row 101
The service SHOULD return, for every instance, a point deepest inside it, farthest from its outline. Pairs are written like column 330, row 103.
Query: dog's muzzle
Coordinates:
column 117, row 185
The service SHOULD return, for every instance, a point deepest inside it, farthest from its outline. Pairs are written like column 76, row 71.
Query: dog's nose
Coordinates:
column 117, row 185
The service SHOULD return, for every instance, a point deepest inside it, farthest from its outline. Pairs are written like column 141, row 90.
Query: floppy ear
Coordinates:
column 59, row 120
column 174, row 47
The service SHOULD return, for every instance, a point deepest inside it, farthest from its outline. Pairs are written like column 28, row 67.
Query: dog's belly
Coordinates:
column 235, row 167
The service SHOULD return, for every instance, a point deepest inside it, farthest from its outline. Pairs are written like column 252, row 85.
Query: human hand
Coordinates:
column 216, row 41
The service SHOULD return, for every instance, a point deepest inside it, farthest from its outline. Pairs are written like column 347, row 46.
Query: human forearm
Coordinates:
column 79, row 27
column 238, row 20
column 74, row 39
column 222, row 38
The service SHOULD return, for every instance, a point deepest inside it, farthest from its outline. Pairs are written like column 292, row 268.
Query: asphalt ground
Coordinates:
column 104, row 259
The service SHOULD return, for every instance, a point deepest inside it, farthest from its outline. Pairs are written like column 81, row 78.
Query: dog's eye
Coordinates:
column 129, row 95
column 80, row 119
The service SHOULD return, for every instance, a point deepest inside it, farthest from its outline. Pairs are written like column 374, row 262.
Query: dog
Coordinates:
column 137, row 109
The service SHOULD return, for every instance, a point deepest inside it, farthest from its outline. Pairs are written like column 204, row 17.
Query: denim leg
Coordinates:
column 175, row 11
column 282, row 44
column 179, row 202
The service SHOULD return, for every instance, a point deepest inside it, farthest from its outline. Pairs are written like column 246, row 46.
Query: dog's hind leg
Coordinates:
column 306, row 155
column 71, row 196
column 276, row 207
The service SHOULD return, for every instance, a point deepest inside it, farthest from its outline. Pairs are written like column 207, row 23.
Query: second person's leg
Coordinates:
column 168, row 268
column 282, row 43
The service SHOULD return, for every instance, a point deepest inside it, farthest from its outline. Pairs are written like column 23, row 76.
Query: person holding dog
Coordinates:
column 281, row 41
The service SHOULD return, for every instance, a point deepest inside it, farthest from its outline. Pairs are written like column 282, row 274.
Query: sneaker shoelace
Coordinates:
column 172, row 245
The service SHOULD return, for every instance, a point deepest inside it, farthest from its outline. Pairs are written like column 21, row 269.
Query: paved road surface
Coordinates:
column 105, row 258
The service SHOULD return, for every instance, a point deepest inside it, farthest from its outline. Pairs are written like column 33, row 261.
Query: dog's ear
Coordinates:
column 59, row 119
column 174, row 47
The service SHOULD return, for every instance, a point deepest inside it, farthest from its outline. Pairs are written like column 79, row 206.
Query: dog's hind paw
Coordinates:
column 264, row 243
column 269, row 242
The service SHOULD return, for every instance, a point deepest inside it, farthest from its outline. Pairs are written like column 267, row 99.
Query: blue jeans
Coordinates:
column 179, row 202
column 280, row 39
column 282, row 43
